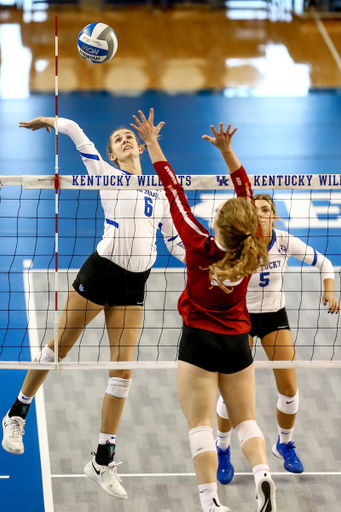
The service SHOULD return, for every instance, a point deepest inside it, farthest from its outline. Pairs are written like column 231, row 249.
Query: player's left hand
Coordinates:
column 328, row 298
column 145, row 127
column 221, row 139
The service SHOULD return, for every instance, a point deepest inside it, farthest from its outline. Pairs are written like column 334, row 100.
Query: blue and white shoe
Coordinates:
column 288, row 453
column 225, row 469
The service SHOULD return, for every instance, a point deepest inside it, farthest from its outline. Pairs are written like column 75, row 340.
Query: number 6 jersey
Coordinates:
column 265, row 293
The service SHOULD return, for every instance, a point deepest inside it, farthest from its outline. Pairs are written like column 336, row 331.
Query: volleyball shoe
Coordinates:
column 288, row 453
column 103, row 470
column 13, row 430
column 265, row 492
column 225, row 469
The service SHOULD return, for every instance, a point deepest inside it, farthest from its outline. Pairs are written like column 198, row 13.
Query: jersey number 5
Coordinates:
column 264, row 280
column 148, row 206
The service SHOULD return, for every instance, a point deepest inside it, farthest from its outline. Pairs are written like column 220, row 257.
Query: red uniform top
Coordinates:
column 201, row 305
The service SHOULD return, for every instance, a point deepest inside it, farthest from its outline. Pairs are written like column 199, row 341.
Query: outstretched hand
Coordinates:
column 221, row 139
column 35, row 124
column 145, row 127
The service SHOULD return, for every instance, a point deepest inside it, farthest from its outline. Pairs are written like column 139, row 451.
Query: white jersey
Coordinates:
column 132, row 217
column 265, row 292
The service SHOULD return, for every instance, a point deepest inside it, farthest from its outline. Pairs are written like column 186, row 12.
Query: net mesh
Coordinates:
column 308, row 207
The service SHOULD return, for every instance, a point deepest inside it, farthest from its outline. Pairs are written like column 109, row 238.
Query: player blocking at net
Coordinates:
column 214, row 349
column 265, row 301
column 112, row 279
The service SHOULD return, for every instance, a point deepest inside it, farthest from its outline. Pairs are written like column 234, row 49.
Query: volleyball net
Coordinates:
column 308, row 207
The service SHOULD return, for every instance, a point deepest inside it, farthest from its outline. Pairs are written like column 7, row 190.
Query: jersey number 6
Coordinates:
column 148, row 206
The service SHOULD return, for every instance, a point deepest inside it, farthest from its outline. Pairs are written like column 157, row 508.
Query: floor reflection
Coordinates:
column 275, row 74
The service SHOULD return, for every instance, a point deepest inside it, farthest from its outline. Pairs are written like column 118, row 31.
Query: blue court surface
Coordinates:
column 276, row 136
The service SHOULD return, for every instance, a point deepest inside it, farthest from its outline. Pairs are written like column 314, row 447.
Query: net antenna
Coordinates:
column 56, row 186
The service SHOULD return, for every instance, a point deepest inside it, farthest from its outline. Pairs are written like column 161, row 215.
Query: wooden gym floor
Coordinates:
column 185, row 50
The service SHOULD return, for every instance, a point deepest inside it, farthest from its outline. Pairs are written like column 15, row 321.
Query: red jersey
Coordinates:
column 202, row 305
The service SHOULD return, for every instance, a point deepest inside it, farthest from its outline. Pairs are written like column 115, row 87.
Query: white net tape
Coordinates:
column 189, row 182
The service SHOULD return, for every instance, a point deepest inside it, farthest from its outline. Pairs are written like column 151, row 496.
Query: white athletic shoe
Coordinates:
column 107, row 478
column 266, row 495
column 217, row 508
column 13, row 430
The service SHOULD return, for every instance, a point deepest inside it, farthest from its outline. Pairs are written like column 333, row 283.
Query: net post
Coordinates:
column 56, row 186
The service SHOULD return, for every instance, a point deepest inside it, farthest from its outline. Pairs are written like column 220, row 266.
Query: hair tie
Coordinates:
column 245, row 237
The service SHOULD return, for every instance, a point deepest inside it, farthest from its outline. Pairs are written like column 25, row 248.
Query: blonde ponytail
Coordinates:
column 237, row 222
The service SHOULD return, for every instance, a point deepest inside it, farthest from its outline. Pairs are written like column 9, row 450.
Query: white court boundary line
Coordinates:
column 326, row 38
column 148, row 475
column 39, row 398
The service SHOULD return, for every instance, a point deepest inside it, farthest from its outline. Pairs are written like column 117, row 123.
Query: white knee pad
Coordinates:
column 46, row 355
column 201, row 440
column 287, row 404
column 248, row 429
column 119, row 388
column 221, row 408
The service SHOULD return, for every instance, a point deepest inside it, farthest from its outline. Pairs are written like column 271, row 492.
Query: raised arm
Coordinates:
column 86, row 148
column 222, row 140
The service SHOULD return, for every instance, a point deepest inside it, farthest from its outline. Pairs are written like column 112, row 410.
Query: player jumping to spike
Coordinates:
column 112, row 280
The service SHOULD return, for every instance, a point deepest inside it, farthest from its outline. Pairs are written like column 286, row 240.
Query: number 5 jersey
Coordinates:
column 265, row 290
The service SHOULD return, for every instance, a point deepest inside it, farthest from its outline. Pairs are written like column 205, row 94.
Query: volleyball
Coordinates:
column 97, row 43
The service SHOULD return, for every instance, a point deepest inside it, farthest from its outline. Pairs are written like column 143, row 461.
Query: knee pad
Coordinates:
column 221, row 408
column 248, row 429
column 201, row 440
column 46, row 355
column 287, row 404
column 119, row 388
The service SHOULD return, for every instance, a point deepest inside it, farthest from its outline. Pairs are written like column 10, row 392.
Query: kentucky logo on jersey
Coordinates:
column 282, row 249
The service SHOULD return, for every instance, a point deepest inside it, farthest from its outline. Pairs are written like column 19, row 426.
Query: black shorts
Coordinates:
column 215, row 352
column 103, row 282
column 265, row 323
